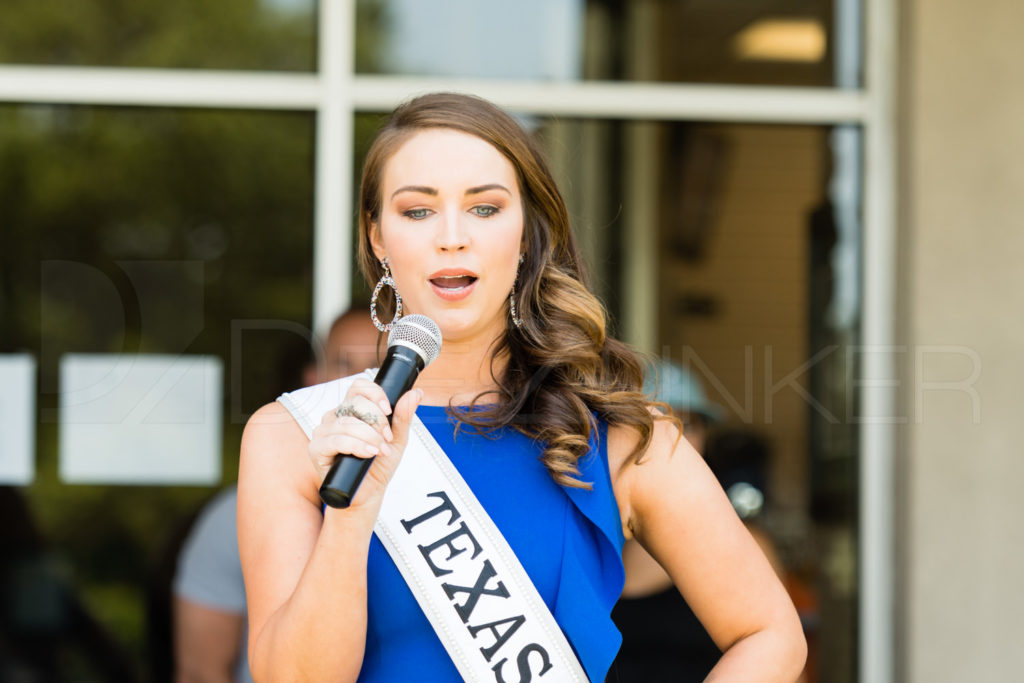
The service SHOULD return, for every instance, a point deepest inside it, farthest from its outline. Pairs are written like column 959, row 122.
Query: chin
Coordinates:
column 459, row 324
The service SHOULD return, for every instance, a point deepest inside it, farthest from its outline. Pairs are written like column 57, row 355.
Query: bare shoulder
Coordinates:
column 274, row 454
column 667, row 454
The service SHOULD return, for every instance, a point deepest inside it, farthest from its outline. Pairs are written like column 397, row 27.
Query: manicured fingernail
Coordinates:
column 388, row 434
column 372, row 450
column 385, row 406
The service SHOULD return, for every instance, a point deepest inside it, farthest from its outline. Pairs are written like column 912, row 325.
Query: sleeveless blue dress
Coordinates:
column 568, row 540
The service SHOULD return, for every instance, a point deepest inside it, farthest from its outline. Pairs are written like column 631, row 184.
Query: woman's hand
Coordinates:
column 359, row 427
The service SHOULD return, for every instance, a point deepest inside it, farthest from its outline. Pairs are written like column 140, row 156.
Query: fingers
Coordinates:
column 359, row 427
column 349, row 435
column 372, row 392
column 384, row 466
column 363, row 410
column 404, row 412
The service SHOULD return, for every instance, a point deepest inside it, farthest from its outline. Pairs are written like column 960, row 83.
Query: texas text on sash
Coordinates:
column 465, row 576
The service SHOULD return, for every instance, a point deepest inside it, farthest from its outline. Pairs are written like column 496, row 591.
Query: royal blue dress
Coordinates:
column 568, row 540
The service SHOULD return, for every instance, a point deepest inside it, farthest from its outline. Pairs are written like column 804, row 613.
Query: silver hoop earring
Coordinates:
column 385, row 279
column 516, row 320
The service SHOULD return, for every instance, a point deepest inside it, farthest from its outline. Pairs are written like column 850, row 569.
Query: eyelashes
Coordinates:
column 416, row 214
column 480, row 210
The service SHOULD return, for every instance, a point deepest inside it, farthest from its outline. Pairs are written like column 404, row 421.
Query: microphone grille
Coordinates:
column 419, row 333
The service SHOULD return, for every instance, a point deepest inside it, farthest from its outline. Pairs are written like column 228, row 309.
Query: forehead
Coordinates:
column 441, row 157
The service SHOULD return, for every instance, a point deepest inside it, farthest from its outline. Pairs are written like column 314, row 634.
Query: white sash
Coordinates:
column 461, row 570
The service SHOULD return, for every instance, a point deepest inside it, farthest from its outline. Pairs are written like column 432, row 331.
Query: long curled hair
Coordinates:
column 562, row 369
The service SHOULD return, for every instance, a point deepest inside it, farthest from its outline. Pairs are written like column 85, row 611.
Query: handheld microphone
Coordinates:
column 414, row 342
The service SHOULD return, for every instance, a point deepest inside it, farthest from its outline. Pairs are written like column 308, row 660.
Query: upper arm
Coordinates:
column 679, row 513
column 279, row 516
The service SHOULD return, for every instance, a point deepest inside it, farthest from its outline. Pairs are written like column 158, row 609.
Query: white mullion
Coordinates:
column 630, row 100
column 158, row 87
column 332, row 253
column 878, row 368
column 641, row 188
column 264, row 90
column 167, row 87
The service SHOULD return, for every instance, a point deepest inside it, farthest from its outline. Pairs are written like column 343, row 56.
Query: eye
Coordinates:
column 484, row 210
column 416, row 214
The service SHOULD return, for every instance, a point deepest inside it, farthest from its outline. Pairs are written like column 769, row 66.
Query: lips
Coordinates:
column 453, row 281
column 453, row 284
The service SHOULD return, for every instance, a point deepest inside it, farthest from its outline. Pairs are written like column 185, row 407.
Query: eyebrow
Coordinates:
column 485, row 188
column 423, row 189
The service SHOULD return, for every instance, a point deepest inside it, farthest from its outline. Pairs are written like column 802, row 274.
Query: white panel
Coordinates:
column 17, row 419
column 140, row 419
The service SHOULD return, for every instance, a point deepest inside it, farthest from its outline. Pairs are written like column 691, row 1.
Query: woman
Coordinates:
column 460, row 213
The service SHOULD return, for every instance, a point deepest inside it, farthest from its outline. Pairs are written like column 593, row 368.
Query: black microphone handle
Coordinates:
column 396, row 376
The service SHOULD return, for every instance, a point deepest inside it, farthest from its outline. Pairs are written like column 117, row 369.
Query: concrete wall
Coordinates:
column 963, row 246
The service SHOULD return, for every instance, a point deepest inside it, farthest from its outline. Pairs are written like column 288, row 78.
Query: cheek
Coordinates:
column 401, row 246
column 512, row 235
column 400, row 252
column 505, row 251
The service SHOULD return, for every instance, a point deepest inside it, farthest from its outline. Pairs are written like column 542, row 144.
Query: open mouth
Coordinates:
column 453, row 283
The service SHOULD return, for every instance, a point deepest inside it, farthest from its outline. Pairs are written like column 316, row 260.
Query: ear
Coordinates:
column 375, row 241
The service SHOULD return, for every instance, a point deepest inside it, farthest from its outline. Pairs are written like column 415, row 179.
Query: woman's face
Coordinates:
column 451, row 226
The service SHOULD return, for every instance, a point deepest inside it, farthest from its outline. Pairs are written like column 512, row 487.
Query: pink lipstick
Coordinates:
column 453, row 284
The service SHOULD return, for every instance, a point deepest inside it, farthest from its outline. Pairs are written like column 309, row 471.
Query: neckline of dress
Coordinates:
column 460, row 407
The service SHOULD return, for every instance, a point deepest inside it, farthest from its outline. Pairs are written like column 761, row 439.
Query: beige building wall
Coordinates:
column 962, row 193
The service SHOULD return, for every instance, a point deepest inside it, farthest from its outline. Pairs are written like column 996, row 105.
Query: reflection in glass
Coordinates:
column 227, row 34
column 175, row 232
column 538, row 39
column 776, row 42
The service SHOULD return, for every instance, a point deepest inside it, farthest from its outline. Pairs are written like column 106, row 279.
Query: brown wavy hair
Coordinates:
column 563, row 371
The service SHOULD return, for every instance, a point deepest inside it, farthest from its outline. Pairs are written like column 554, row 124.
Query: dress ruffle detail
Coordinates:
column 592, row 572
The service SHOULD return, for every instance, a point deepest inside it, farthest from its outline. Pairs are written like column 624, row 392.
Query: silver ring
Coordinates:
column 351, row 411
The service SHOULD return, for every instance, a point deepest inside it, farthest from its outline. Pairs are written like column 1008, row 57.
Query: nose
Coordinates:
column 452, row 233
